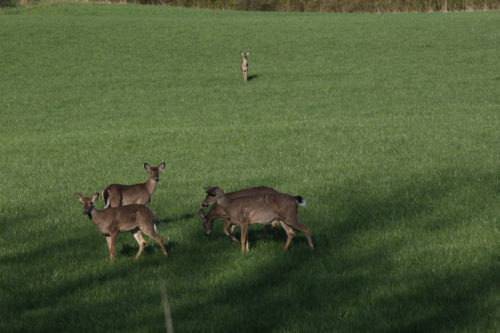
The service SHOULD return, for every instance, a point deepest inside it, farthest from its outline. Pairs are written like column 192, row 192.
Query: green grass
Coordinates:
column 388, row 125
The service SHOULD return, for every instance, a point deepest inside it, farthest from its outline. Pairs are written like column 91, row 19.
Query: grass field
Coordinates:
column 388, row 125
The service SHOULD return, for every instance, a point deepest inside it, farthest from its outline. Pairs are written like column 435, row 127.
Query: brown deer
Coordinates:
column 217, row 212
column 111, row 221
column 116, row 195
column 244, row 66
column 265, row 208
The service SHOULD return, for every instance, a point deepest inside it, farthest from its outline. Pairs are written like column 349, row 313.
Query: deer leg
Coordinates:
column 244, row 238
column 227, row 223
column 305, row 230
column 142, row 243
column 247, row 246
column 157, row 238
column 233, row 238
column 289, row 232
column 111, row 240
column 108, row 243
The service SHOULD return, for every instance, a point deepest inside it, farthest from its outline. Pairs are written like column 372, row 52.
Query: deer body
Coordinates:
column 116, row 195
column 111, row 221
column 244, row 66
column 262, row 209
column 217, row 212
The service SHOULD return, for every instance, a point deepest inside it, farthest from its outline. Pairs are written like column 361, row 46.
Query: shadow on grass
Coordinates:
column 251, row 77
column 356, row 279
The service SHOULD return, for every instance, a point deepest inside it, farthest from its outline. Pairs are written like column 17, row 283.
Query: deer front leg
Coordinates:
column 111, row 241
column 244, row 239
column 227, row 223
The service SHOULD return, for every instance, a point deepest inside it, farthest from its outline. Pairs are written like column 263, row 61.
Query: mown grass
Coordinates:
column 386, row 124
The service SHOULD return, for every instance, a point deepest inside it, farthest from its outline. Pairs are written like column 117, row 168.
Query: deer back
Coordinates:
column 123, row 218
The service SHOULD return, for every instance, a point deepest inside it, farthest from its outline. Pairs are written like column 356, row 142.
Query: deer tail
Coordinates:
column 105, row 197
column 300, row 200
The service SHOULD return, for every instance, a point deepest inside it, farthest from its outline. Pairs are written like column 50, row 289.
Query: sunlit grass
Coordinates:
column 386, row 124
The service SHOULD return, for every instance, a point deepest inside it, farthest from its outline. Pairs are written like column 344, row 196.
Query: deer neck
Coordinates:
column 150, row 185
column 223, row 201
column 90, row 211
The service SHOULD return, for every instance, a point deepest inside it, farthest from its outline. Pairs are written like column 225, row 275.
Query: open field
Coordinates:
column 388, row 125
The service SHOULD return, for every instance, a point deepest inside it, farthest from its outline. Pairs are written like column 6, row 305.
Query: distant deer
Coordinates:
column 217, row 212
column 116, row 195
column 262, row 209
column 244, row 66
column 111, row 221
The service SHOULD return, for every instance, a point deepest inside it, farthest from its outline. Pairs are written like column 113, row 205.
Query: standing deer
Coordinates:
column 116, row 195
column 111, row 221
column 217, row 212
column 244, row 66
column 263, row 209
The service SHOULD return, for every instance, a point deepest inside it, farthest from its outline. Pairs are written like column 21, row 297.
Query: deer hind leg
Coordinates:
column 142, row 242
column 289, row 232
column 304, row 229
column 150, row 231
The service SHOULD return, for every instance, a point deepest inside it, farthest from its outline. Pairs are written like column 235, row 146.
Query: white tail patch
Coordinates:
column 154, row 226
column 303, row 203
column 106, row 203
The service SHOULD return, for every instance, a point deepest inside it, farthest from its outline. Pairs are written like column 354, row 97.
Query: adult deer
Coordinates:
column 217, row 212
column 244, row 66
column 266, row 208
column 111, row 221
column 116, row 195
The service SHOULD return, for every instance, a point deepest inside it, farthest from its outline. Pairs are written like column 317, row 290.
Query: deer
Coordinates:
column 116, row 195
column 265, row 208
column 244, row 66
column 111, row 221
column 217, row 212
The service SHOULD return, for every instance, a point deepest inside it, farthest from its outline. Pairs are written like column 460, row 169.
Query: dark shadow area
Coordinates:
column 337, row 287
column 182, row 218
column 251, row 77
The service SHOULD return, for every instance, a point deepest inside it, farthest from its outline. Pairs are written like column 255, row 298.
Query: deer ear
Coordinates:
column 146, row 166
column 79, row 196
column 94, row 197
column 211, row 189
column 242, row 54
column 248, row 53
column 161, row 166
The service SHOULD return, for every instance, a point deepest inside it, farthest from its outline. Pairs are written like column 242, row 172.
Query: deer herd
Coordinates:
column 126, row 210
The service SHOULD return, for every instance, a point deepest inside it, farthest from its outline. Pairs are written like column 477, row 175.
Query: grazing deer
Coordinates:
column 217, row 212
column 111, row 221
column 263, row 209
column 116, row 195
column 244, row 66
